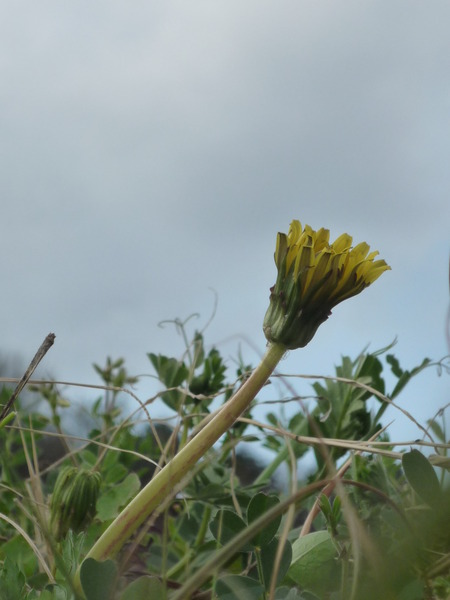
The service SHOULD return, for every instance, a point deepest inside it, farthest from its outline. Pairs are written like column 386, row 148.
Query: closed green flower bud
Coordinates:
column 313, row 277
column 73, row 501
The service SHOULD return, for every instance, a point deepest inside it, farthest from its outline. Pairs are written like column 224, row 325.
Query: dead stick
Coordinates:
column 43, row 349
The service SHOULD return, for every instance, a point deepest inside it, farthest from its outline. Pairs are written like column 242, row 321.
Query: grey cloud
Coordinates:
column 153, row 150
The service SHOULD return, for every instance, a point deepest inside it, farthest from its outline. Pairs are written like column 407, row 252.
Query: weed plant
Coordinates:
column 181, row 508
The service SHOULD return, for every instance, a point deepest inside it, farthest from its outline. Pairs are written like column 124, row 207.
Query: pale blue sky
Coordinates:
column 152, row 150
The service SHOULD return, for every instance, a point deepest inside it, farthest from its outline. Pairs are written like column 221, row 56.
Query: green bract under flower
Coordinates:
column 313, row 277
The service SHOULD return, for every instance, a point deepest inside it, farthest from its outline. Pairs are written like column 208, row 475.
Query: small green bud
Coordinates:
column 73, row 501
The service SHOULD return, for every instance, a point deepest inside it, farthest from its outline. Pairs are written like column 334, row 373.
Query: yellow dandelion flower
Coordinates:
column 314, row 276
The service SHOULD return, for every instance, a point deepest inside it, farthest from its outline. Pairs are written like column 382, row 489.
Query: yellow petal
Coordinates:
column 295, row 231
column 304, row 259
column 360, row 251
column 374, row 270
column 322, row 239
column 342, row 244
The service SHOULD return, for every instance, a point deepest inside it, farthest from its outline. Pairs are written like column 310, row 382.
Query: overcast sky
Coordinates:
column 151, row 151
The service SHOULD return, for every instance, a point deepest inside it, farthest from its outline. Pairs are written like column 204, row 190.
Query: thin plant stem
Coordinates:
column 203, row 527
column 282, row 455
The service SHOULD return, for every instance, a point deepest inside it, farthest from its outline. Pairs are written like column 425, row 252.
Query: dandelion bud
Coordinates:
column 73, row 500
column 313, row 277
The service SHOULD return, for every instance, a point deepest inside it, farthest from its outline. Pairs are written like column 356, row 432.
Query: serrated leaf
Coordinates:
column 421, row 477
column 171, row 372
column 210, row 381
column 12, row 580
column 395, row 365
column 405, row 375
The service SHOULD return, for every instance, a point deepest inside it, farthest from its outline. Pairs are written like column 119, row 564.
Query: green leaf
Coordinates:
column 210, row 492
column 198, row 350
column 404, row 376
column 110, row 503
column 12, row 580
column 285, row 593
column 210, row 381
column 268, row 555
column 54, row 591
column 412, row 591
column 88, row 457
column 72, row 551
column 143, row 588
column 372, row 367
column 437, row 430
column 325, row 506
column 172, row 373
column 273, row 419
column 45, row 595
column 114, row 474
column 395, row 365
column 33, row 595
column 20, row 553
column 226, row 525
column 421, row 477
column 259, row 505
column 98, row 579
column 336, row 510
column 314, row 565
column 238, row 587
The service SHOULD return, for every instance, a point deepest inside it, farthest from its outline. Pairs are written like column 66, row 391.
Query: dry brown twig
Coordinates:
column 42, row 351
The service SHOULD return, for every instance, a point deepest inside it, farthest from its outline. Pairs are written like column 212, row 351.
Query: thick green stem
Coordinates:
column 162, row 485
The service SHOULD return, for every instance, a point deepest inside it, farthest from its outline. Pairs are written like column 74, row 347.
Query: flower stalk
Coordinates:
column 163, row 483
